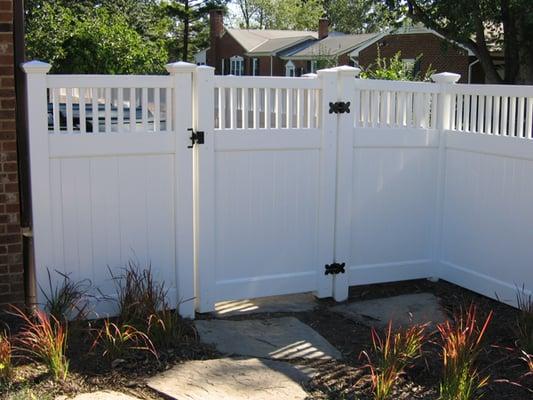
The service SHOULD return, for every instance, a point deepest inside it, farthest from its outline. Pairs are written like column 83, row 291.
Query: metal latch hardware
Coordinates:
column 335, row 269
column 196, row 137
column 339, row 107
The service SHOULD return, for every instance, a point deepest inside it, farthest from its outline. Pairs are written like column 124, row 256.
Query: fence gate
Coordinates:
column 111, row 178
column 266, row 181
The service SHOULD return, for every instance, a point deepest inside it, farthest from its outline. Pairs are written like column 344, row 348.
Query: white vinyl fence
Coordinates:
column 417, row 180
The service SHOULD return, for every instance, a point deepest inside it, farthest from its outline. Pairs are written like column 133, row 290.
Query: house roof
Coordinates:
column 268, row 40
column 332, row 45
column 405, row 30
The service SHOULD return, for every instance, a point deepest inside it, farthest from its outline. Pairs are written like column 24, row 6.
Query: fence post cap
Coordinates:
column 347, row 70
column 445, row 77
column 180, row 67
column 205, row 68
column 36, row 67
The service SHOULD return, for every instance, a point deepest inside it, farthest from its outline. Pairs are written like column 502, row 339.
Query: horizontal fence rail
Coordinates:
column 98, row 104
column 266, row 103
column 500, row 110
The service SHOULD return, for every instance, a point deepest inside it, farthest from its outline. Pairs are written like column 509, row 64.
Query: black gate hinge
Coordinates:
column 339, row 107
column 335, row 269
column 196, row 137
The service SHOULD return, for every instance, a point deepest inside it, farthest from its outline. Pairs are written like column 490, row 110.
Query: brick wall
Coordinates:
column 436, row 53
column 11, row 270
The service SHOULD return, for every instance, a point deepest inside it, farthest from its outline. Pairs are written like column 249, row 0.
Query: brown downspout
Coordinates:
column 30, row 286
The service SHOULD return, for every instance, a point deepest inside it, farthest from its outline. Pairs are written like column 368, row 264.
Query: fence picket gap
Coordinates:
column 69, row 116
column 95, row 110
column 107, row 110
column 520, row 119
column 512, row 117
column 83, row 122
column 529, row 118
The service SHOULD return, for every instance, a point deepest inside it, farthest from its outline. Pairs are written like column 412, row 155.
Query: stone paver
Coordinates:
column 276, row 338
column 236, row 379
column 403, row 310
column 103, row 395
column 290, row 303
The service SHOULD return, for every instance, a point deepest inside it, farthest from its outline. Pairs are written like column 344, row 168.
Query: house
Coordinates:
column 249, row 51
column 294, row 53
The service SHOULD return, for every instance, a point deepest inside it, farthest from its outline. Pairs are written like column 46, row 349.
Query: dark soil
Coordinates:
column 347, row 380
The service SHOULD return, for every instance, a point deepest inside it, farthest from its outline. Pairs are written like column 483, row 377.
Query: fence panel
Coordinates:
column 116, row 177
column 265, row 211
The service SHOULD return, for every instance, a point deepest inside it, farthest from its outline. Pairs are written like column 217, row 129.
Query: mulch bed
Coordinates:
column 347, row 379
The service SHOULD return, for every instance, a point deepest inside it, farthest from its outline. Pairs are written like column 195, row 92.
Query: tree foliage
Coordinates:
column 90, row 37
column 359, row 16
column 280, row 14
column 483, row 26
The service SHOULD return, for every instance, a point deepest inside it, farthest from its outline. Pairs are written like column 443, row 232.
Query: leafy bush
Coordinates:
column 524, row 322
column 461, row 344
column 394, row 69
column 44, row 338
column 116, row 340
column 392, row 354
column 5, row 357
column 67, row 300
column 139, row 296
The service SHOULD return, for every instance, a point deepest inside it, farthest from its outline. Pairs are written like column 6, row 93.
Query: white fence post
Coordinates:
column 443, row 114
column 40, row 166
column 328, row 123
column 347, row 92
column 204, row 190
column 182, row 109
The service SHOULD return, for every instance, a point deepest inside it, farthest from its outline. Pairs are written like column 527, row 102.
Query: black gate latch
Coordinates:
column 335, row 269
column 340, row 107
column 196, row 137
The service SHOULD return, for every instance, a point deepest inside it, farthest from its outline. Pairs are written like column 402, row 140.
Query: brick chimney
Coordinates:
column 216, row 29
column 323, row 28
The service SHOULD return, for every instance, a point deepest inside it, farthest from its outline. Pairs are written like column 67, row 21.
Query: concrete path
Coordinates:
column 236, row 379
column 276, row 338
column 290, row 303
column 404, row 310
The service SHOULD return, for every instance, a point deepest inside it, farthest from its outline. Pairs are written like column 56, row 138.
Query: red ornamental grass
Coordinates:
column 5, row 357
column 44, row 339
column 116, row 340
column 461, row 344
column 392, row 354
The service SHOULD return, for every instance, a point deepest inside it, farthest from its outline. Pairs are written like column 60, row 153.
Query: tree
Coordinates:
column 190, row 23
column 480, row 24
column 280, row 14
column 95, row 41
column 359, row 16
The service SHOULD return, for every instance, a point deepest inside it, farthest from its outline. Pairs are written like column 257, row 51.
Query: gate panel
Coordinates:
column 266, row 204
column 111, row 179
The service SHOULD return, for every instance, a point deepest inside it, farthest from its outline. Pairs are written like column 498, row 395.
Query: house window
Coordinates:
column 311, row 66
column 289, row 69
column 255, row 66
column 236, row 65
column 409, row 64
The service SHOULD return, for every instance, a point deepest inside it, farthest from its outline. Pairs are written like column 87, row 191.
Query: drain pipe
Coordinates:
column 470, row 69
column 28, row 263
